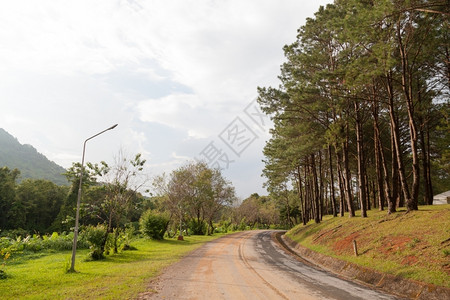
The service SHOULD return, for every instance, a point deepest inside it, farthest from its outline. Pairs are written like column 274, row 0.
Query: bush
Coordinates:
column 4, row 255
column 154, row 224
column 197, row 227
column 36, row 243
column 243, row 224
column 61, row 241
column 224, row 226
column 119, row 240
column 95, row 236
column 13, row 233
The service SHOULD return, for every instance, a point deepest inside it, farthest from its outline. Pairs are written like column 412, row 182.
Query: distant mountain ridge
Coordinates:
column 25, row 158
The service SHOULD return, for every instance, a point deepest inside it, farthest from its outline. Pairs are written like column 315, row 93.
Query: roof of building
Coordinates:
column 443, row 198
column 443, row 195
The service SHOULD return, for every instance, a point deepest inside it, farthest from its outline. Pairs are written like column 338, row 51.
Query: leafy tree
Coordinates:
column 117, row 196
column 261, row 212
column 65, row 220
column 40, row 202
column 196, row 192
column 7, row 195
column 357, row 67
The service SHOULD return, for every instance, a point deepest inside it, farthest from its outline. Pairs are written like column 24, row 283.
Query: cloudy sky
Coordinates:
column 179, row 77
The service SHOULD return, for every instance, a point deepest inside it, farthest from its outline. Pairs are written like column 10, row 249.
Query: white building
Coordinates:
column 443, row 198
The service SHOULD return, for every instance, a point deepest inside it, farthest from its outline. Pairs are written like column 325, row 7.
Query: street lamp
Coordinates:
column 77, row 216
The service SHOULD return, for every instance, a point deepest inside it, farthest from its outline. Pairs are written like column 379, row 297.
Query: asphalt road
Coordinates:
column 250, row 265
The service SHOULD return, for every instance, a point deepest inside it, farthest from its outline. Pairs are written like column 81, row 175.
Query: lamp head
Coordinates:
column 112, row 127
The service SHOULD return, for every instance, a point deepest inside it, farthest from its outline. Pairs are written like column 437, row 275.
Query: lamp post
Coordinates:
column 77, row 216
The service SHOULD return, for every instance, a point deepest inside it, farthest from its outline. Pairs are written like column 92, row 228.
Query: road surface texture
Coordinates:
column 250, row 265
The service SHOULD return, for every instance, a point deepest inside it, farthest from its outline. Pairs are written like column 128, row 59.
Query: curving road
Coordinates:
column 250, row 265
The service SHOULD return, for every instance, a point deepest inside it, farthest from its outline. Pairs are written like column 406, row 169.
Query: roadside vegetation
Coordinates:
column 415, row 245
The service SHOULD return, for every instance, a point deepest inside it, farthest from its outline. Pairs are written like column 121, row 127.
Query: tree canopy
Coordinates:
column 360, row 112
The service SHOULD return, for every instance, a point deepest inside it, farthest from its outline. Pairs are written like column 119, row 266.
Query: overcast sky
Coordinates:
column 179, row 77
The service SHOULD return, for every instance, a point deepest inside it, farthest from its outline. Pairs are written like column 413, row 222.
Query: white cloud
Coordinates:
column 169, row 72
column 180, row 111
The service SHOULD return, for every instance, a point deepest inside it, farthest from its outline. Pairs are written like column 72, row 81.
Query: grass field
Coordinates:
column 414, row 245
column 120, row 276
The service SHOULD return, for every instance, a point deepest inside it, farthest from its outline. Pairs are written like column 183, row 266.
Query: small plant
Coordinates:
column 4, row 254
column 126, row 236
column 446, row 252
column 242, row 224
column 413, row 243
column 67, row 265
column 95, row 236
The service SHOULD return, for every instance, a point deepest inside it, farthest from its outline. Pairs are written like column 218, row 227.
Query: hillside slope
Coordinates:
column 31, row 163
column 414, row 245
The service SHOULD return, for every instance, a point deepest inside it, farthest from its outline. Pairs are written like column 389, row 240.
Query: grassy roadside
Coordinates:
column 120, row 276
column 414, row 245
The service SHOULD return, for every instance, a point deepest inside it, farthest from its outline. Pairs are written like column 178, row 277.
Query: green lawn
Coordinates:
column 123, row 275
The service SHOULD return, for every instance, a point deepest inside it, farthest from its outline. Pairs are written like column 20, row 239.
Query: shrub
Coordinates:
column 242, row 224
column 33, row 243
column 95, row 236
column 62, row 241
column 36, row 243
column 6, row 242
column 14, row 233
column 197, row 227
column 4, row 255
column 126, row 236
column 224, row 226
column 154, row 224
column 119, row 240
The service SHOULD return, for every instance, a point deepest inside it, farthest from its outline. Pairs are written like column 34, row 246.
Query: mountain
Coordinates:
column 31, row 163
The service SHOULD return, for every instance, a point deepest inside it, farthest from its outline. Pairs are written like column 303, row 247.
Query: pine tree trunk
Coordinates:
column 321, row 186
column 300, row 192
column 341, row 183
column 317, row 216
column 396, row 187
column 378, row 152
column 347, row 180
column 427, row 199
column 366, row 180
column 396, row 139
column 428, row 171
column 406, row 76
column 308, row 209
column 361, row 168
column 347, row 174
column 332, row 196
column 386, row 185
